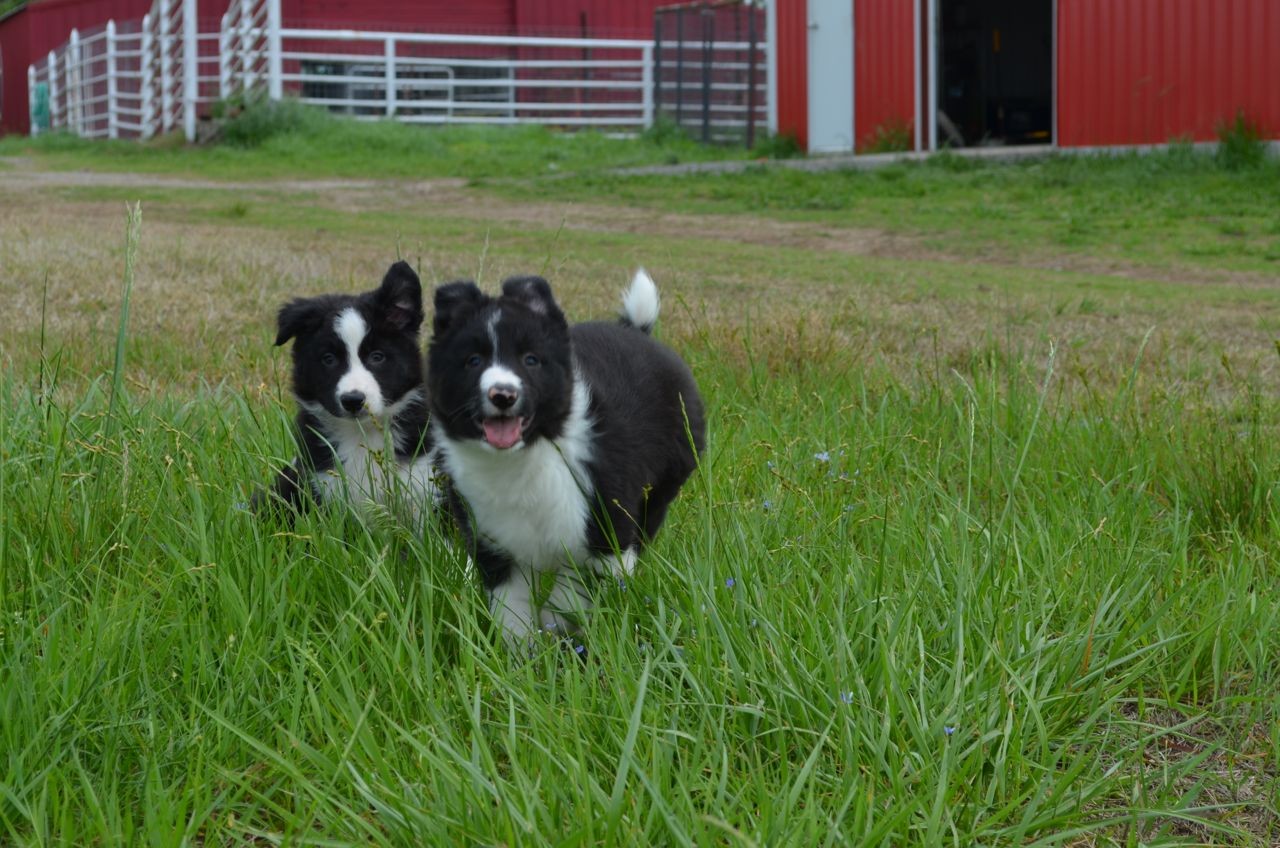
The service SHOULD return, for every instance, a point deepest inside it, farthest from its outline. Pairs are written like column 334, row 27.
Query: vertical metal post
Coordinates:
column 32, row 128
column 657, row 61
column 919, row 53
column 771, row 69
column 752, row 59
column 147, row 83
column 646, row 85
column 71, row 77
column 275, row 59
column 390, row 60
column 166, row 68
column 680, row 66
column 53, row 91
column 931, row 41
column 190, row 78
column 246, row 34
column 113, row 90
column 708, row 35
column 224, row 58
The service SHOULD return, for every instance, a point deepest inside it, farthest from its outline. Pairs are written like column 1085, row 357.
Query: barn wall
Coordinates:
column 884, row 67
column 793, row 75
column 14, row 59
column 592, row 18
column 1149, row 71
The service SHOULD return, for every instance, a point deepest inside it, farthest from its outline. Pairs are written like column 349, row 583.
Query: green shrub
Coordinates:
column 1241, row 144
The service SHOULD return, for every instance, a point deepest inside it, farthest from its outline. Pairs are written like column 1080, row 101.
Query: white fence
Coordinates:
column 140, row 79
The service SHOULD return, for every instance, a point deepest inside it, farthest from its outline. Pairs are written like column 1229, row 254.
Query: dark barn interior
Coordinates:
column 996, row 72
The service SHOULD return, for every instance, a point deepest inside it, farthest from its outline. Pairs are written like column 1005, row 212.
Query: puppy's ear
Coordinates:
column 533, row 293
column 399, row 298
column 295, row 316
column 452, row 300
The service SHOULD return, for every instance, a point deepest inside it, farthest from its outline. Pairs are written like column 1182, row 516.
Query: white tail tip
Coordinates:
column 640, row 302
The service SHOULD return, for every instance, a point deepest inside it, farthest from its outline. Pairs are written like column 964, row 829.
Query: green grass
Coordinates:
column 289, row 140
column 979, row 554
column 1179, row 207
column 881, row 614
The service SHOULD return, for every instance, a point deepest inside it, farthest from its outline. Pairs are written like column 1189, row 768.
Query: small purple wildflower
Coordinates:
column 729, row 582
column 948, row 729
column 622, row 584
column 846, row 697
column 823, row 456
column 768, row 504
column 579, row 649
column 769, row 464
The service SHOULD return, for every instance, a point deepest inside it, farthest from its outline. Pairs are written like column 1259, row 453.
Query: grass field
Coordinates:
column 983, row 550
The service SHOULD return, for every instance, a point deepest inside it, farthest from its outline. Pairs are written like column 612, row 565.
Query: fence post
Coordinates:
column 71, row 67
column 166, row 68
column 147, row 102
column 680, row 66
column 53, row 91
column 275, row 61
column 751, row 77
column 190, row 78
column 32, row 129
column 646, row 84
column 113, row 131
column 390, row 56
column 224, row 59
column 708, row 35
column 246, row 34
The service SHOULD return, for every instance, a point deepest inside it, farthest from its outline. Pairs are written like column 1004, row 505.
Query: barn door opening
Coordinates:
column 995, row 72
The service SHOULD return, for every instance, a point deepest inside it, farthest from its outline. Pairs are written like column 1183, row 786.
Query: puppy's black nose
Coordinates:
column 503, row 397
column 352, row 401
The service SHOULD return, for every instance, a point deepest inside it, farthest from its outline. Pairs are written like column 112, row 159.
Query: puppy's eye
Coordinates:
column 474, row 360
column 329, row 360
column 531, row 361
column 376, row 357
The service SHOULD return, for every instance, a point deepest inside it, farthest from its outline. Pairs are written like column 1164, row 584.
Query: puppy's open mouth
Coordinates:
column 503, row 433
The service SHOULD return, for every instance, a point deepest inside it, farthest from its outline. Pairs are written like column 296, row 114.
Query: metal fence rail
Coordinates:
column 141, row 78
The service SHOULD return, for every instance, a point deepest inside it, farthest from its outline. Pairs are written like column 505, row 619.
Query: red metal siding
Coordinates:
column 591, row 18
column 13, row 73
column 1149, row 71
column 884, row 67
column 791, row 19
column 486, row 17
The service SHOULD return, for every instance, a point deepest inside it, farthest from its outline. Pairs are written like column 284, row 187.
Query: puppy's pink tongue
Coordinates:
column 502, row 433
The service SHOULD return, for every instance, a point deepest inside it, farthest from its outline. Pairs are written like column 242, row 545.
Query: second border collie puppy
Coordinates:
column 362, row 413
column 564, row 445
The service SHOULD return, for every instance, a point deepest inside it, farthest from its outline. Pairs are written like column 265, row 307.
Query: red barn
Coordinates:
column 872, row 74
column 28, row 33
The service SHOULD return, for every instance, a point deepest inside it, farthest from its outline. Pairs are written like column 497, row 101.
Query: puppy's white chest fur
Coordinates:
column 532, row 502
column 368, row 471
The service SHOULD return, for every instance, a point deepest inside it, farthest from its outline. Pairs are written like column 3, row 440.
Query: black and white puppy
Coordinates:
column 362, row 410
column 564, row 445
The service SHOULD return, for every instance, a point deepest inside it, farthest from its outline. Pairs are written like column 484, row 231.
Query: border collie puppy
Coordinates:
column 362, row 412
column 564, row 446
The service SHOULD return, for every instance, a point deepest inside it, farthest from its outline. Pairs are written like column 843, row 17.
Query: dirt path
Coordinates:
column 22, row 175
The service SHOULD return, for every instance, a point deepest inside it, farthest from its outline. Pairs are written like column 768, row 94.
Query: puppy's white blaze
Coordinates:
column 640, row 302
column 351, row 328
column 499, row 374
column 533, row 503
column 492, row 326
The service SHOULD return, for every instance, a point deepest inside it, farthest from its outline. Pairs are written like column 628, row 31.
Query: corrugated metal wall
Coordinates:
column 1148, row 71
column 594, row 18
column 13, row 73
column 884, row 67
column 793, row 76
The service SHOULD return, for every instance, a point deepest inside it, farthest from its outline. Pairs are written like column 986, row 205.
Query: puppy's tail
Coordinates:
column 640, row 303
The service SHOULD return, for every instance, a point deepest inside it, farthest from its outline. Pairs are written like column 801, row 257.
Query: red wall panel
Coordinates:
column 594, row 18
column 884, row 67
column 1149, row 71
column 793, row 69
column 14, row 58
